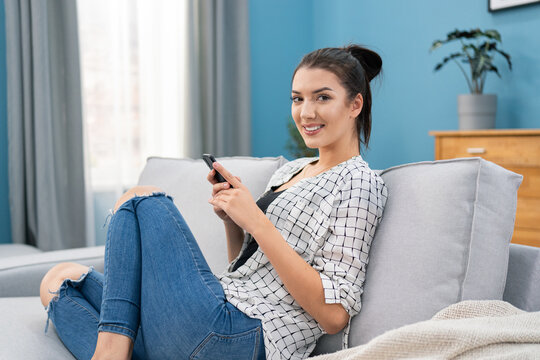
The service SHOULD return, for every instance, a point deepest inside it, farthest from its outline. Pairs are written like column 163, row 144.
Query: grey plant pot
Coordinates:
column 477, row 111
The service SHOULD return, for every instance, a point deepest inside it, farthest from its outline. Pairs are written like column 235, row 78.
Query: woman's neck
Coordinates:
column 329, row 158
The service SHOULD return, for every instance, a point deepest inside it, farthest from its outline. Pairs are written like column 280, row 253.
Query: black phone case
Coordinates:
column 209, row 160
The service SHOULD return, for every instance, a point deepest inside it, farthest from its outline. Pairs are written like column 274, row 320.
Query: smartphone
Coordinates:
column 209, row 159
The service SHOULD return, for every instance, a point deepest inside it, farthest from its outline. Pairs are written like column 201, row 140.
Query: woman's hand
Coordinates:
column 236, row 203
column 216, row 188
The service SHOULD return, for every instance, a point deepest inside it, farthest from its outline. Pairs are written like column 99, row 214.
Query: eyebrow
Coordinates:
column 316, row 91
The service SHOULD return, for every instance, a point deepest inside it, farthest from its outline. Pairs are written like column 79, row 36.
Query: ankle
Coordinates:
column 112, row 346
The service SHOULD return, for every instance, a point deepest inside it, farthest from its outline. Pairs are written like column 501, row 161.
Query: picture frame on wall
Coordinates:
column 496, row 5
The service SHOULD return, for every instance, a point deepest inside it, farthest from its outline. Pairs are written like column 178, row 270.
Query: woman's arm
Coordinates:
column 301, row 280
column 235, row 239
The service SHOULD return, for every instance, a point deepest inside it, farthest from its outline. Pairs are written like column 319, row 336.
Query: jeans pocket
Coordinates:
column 241, row 346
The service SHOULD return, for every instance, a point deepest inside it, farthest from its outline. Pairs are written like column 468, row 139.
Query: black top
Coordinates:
column 252, row 246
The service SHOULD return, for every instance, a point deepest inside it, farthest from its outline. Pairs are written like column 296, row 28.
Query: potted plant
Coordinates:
column 476, row 110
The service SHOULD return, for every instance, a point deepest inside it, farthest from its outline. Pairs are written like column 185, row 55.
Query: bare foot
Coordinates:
column 112, row 346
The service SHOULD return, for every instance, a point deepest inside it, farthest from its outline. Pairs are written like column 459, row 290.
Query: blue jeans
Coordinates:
column 158, row 290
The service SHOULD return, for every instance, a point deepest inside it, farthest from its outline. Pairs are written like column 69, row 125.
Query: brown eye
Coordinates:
column 323, row 97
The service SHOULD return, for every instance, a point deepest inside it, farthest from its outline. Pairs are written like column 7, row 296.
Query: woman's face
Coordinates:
column 323, row 112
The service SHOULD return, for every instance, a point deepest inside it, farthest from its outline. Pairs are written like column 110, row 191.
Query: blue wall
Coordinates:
column 280, row 34
column 410, row 100
column 5, row 225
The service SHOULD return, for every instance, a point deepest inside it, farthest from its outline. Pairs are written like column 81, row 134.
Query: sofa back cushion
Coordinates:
column 523, row 280
column 185, row 180
column 444, row 237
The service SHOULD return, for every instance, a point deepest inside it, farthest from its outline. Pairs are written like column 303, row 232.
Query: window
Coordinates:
column 133, row 65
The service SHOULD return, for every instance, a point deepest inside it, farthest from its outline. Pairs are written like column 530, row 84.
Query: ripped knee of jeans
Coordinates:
column 58, row 293
column 134, row 198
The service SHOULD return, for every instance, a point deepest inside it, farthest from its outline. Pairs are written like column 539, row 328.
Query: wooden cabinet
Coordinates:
column 517, row 150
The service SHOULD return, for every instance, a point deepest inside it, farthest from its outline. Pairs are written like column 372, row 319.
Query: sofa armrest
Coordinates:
column 523, row 278
column 21, row 275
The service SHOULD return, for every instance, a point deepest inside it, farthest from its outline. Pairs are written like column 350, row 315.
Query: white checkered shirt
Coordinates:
column 329, row 220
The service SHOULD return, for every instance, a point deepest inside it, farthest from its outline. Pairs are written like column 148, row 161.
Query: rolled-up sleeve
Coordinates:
column 343, row 257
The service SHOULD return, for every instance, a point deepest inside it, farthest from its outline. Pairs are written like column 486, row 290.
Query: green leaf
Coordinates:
column 493, row 34
column 506, row 56
column 447, row 59
column 436, row 44
column 493, row 68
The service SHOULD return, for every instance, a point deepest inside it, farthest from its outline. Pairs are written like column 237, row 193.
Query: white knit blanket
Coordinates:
column 467, row 330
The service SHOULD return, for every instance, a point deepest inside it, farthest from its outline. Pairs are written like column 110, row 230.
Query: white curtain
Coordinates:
column 134, row 56
column 133, row 61
column 162, row 68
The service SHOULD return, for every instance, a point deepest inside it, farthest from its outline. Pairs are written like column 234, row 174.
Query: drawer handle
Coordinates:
column 476, row 150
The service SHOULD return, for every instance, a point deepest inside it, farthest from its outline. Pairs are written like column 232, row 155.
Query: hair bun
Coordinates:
column 370, row 60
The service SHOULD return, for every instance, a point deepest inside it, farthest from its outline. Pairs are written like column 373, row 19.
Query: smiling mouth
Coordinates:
column 312, row 130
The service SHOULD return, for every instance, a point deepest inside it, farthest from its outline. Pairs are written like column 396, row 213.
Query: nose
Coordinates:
column 308, row 110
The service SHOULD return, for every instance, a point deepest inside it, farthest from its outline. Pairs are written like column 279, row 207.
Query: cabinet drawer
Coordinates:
column 503, row 150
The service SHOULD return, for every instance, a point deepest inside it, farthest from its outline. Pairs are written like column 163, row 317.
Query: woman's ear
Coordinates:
column 357, row 105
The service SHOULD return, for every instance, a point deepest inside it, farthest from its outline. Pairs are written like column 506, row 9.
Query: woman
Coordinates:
column 297, row 274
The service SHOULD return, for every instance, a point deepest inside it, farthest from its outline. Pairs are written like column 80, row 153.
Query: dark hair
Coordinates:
column 355, row 67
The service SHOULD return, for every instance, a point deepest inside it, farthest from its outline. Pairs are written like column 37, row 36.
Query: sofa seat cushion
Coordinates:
column 444, row 238
column 185, row 180
column 22, row 331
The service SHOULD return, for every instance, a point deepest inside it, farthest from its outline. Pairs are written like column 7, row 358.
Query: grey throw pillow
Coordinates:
column 185, row 180
column 444, row 237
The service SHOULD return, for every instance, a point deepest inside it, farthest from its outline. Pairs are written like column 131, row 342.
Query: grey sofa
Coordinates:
column 444, row 238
